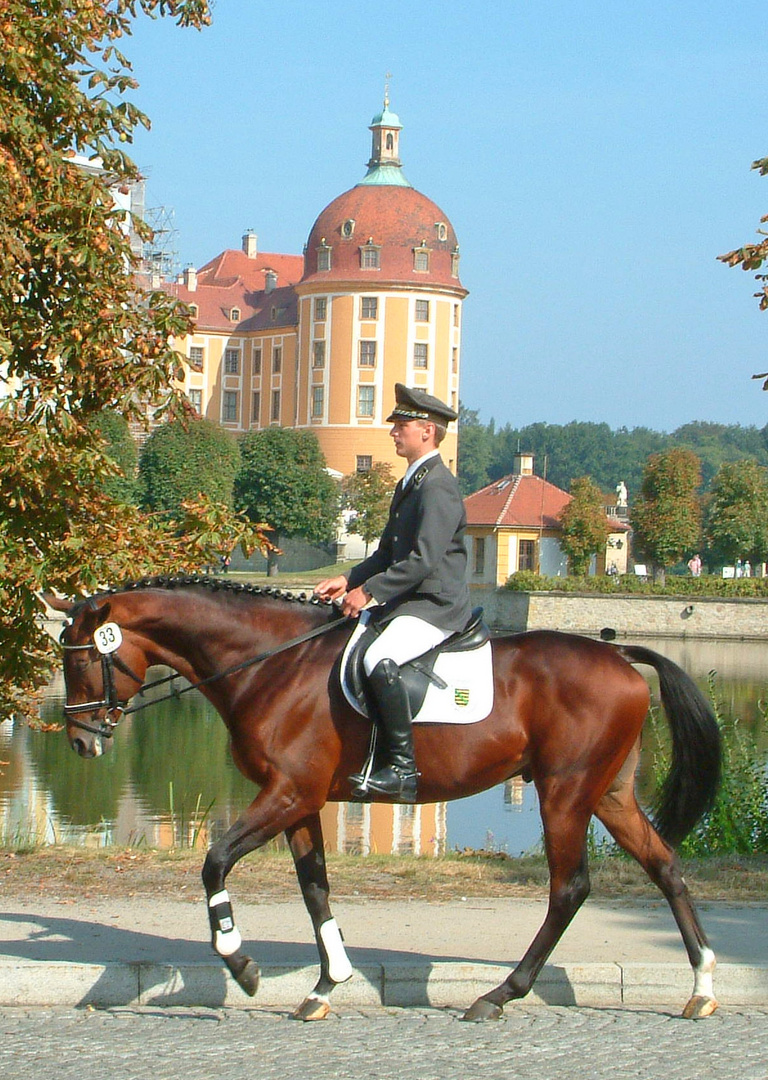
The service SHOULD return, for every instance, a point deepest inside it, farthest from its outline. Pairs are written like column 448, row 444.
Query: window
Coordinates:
column 321, row 308
column 324, row 258
column 442, row 230
column 370, row 257
column 196, row 357
column 526, row 555
column 367, row 354
column 193, row 310
column 479, row 563
column 318, row 401
column 363, row 463
column 365, row 400
column 275, row 413
column 420, row 355
column 318, row 354
column 196, row 400
column 235, row 314
column 454, row 360
column 277, row 359
column 455, row 314
column 421, row 259
column 257, row 359
column 455, row 262
column 229, row 406
column 255, row 406
column 348, row 228
column 231, row 361
column 369, row 307
column 422, row 311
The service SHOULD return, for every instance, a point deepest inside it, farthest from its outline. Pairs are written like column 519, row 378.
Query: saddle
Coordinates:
column 450, row 683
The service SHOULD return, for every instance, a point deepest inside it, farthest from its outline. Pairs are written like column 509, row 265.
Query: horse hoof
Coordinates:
column 699, row 1007
column 248, row 978
column 482, row 1010
column 312, row 1008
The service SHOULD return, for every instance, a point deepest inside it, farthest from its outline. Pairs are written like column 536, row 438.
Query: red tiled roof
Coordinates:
column 526, row 502
column 516, row 500
column 233, row 280
column 398, row 219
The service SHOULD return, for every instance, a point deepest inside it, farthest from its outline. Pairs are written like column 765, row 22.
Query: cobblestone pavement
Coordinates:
column 538, row 1043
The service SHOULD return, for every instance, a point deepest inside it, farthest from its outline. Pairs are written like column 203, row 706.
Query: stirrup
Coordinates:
column 359, row 780
column 394, row 782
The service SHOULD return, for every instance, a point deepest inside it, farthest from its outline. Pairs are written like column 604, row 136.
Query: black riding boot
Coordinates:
column 397, row 779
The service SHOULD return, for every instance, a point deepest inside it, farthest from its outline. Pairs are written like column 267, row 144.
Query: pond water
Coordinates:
column 168, row 779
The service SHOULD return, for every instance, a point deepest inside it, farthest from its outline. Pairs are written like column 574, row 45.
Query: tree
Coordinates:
column 584, row 524
column 474, row 451
column 666, row 516
column 120, row 447
column 283, row 483
column 77, row 337
column 187, row 459
column 368, row 495
column 737, row 513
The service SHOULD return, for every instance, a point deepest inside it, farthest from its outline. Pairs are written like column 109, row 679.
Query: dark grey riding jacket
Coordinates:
column 420, row 565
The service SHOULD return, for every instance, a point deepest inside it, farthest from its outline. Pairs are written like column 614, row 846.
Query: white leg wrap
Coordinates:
column 339, row 967
column 226, row 938
column 703, row 985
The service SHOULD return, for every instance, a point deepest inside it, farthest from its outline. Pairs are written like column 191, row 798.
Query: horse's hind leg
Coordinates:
column 306, row 843
column 565, row 832
column 619, row 812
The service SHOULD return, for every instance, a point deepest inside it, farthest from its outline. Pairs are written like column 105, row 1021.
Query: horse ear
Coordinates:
column 58, row 603
column 96, row 612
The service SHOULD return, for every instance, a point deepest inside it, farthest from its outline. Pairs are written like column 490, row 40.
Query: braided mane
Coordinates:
column 212, row 584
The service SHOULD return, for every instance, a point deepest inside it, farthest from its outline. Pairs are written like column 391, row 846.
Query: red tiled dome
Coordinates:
column 395, row 219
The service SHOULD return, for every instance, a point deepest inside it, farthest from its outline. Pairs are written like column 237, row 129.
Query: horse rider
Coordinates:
column 416, row 579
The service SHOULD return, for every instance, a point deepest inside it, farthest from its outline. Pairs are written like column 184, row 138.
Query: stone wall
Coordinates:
column 629, row 616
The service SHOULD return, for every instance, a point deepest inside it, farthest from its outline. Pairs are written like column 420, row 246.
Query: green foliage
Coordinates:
column 185, row 460
column 77, row 338
column 737, row 513
column 738, row 822
column 120, row 447
column 368, row 495
column 564, row 451
column 284, row 484
column 584, row 525
column 666, row 516
column 528, row 581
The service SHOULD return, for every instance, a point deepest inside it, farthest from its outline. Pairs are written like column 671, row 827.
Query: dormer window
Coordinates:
column 370, row 256
column 323, row 256
column 193, row 311
column 234, row 314
column 442, row 230
column 455, row 262
column 421, row 259
column 348, row 228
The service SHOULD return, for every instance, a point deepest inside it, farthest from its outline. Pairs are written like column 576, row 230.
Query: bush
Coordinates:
column 710, row 585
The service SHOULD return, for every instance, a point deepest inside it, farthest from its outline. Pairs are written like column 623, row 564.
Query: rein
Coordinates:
column 111, row 702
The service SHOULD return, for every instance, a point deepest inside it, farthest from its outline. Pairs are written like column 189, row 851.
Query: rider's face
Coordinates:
column 412, row 438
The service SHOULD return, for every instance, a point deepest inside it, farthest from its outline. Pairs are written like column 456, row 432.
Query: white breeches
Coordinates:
column 405, row 637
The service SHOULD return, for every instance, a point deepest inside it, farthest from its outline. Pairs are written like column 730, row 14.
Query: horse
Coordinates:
column 567, row 715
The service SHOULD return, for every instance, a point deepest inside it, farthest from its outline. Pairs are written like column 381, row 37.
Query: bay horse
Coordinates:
column 567, row 714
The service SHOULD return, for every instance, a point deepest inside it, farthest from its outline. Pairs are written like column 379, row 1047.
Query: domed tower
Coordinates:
column 379, row 303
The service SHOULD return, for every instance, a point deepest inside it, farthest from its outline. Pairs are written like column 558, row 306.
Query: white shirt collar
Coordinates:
column 417, row 465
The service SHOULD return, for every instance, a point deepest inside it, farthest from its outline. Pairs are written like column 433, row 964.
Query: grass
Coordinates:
column 77, row 873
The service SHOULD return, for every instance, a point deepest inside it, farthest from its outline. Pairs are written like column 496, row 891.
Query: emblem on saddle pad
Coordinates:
column 452, row 684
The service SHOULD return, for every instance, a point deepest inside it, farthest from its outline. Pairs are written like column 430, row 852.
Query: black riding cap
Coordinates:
column 415, row 404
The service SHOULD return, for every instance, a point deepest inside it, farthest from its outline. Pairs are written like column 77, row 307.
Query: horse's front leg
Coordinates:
column 306, row 843
column 272, row 812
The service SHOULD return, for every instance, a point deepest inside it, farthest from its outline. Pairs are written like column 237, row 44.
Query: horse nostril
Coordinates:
column 78, row 745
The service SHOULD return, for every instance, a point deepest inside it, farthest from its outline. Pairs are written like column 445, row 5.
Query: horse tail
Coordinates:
column 689, row 789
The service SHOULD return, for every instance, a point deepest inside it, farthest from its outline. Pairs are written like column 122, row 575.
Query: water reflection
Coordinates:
column 169, row 780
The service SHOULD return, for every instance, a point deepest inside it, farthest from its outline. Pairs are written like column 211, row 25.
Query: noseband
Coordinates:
column 110, row 701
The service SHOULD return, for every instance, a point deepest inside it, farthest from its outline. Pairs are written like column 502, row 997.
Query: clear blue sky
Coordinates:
column 594, row 159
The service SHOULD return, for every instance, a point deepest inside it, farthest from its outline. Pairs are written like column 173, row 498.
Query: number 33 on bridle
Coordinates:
column 567, row 714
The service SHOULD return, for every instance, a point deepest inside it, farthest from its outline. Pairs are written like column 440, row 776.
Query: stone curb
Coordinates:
column 404, row 984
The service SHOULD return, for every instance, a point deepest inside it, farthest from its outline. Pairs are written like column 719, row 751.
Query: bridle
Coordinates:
column 116, row 708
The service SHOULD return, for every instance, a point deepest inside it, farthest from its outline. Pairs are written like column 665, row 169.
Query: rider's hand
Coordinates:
column 355, row 601
column 331, row 588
